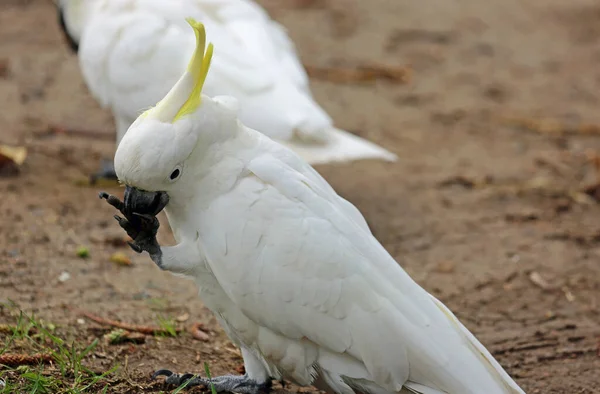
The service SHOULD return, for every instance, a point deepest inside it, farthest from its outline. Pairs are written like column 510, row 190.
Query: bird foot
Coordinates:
column 142, row 228
column 226, row 383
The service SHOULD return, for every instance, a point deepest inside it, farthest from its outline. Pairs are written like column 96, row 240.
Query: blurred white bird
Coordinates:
column 131, row 52
column 288, row 267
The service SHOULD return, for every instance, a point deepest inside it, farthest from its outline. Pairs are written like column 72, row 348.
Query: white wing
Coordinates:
column 132, row 52
column 303, row 268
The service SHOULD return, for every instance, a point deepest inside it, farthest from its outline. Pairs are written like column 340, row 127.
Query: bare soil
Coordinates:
column 491, row 207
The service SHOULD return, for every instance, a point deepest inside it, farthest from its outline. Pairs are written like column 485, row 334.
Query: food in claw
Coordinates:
column 131, row 52
column 289, row 268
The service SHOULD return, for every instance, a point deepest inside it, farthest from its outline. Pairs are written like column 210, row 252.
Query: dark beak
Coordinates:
column 143, row 202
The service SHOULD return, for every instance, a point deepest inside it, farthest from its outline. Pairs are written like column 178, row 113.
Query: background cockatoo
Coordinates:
column 289, row 268
column 131, row 52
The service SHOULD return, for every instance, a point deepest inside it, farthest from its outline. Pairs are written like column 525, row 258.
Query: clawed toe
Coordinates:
column 112, row 200
column 175, row 379
column 134, row 247
column 162, row 372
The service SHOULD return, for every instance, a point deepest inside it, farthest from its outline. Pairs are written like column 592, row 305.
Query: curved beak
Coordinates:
column 143, row 202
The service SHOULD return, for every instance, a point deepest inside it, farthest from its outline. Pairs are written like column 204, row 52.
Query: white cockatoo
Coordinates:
column 131, row 52
column 289, row 268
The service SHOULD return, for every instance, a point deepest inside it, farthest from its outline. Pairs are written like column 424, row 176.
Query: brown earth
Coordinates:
column 487, row 207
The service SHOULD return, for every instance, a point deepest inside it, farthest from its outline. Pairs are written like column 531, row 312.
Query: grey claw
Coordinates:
column 135, row 248
column 124, row 223
column 175, row 379
column 112, row 200
column 161, row 372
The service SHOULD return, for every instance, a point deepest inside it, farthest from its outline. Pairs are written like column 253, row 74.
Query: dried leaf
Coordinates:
column 11, row 158
column 183, row 317
column 540, row 282
column 445, row 267
column 197, row 331
column 121, row 259
column 568, row 295
column 360, row 74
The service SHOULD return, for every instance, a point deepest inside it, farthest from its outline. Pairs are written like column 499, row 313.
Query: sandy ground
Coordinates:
column 487, row 213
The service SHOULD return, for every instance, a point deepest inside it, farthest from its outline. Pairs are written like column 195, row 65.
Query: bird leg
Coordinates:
column 107, row 171
column 227, row 383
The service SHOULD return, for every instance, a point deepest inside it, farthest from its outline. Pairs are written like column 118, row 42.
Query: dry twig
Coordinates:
column 552, row 126
column 15, row 360
column 148, row 330
column 54, row 130
column 367, row 73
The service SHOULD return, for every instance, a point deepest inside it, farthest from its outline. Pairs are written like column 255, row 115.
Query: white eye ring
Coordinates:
column 176, row 173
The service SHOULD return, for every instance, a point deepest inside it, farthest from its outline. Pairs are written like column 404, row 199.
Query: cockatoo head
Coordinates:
column 159, row 154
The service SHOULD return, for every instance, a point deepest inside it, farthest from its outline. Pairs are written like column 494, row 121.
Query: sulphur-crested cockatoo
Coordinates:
column 288, row 267
column 131, row 52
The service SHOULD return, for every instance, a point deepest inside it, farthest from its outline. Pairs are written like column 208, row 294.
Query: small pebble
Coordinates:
column 64, row 276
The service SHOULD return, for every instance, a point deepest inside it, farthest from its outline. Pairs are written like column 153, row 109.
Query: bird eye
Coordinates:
column 175, row 174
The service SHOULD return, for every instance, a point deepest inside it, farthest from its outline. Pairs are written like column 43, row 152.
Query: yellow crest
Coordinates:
column 189, row 87
column 198, row 68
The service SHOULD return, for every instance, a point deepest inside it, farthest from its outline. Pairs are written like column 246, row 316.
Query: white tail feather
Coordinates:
column 341, row 146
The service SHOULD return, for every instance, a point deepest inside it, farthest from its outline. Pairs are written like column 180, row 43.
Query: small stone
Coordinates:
column 64, row 276
column 445, row 267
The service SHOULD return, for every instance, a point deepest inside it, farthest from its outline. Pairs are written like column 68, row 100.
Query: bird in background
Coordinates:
column 288, row 267
column 131, row 52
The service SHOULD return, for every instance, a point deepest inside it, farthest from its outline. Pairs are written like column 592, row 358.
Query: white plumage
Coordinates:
column 289, row 268
column 132, row 52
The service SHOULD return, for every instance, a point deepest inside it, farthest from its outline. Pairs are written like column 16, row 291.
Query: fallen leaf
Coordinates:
column 568, row 295
column 197, row 331
column 540, row 282
column 360, row 74
column 183, row 317
column 445, row 267
column 121, row 259
column 11, row 158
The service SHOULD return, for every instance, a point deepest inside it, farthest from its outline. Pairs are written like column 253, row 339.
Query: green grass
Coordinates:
column 68, row 374
column 209, row 377
column 168, row 326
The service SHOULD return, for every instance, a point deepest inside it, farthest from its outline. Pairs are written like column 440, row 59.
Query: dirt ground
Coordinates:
column 492, row 206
